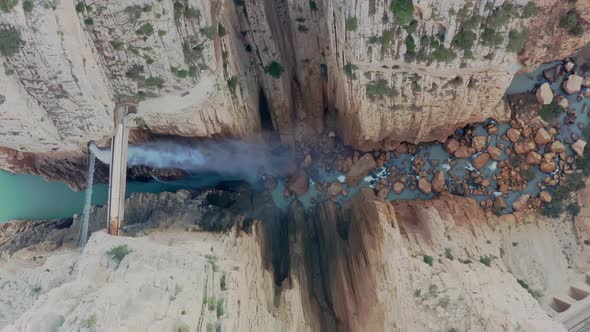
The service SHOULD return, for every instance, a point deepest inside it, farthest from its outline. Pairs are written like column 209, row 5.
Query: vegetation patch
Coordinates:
column 571, row 22
column 385, row 38
column 410, row 49
column 486, row 260
column 349, row 69
column 118, row 253
column 154, row 81
column 7, row 5
column 428, row 260
column 89, row 21
column 313, row 6
column 147, row 29
column 10, row 42
column 403, row 11
column 443, row 54
column 517, row 40
column 351, row 23
column 530, row 9
column 274, row 69
column 133, row 12
column 491, row 37
column 28, row 6
column 449, row 254
column 135, row 72
column 379, row 89
column 464, row 40
column 209, row 32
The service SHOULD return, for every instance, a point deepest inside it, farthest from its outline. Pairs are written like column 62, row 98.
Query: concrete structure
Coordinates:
column 118, row 168
column 573, row 310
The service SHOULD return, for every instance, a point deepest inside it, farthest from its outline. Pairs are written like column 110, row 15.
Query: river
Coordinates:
column 31, row 197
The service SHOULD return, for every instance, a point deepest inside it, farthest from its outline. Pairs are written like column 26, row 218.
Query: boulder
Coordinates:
column 586, row 82
column 398, row 187
column 569, row 67
column 451, row 145
column 478, row 143
column 545, row 197
column 335, row 188
column 299, row 183
column 524, row 147
column 542, row 137
column 494, row 152
column 553, row 73
column 548, row 156
column 548, row 166
column 557, row 147
column 464, row 152
column 480, row 161
column 424, row 186
column 521, row 203
column 438, row 182
column 360, row 169
column 513, row 135
column 544, row 94
column 383, row 193
column 579, row 147
column 533, row 158
column 499, row 203
column 562, row 102
column 572, row 84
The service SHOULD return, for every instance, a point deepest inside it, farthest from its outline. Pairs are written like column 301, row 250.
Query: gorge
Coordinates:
column 327, row 165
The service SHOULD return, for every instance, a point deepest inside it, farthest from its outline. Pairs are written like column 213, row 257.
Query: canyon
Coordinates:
column 408, row 165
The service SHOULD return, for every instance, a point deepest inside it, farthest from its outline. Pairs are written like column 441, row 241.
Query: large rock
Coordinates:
column 424, row 186
column 479, row 143
column 398, row 187
column 464, row 152
column 521, row 203
column 451, row 145
column 299, row 183
column 548, row 166
column 438, row 182
column 544, row 94
column 335, row 188
column 542, row 137
column 557, row 147
column 494, row 152
column 480, row 161
column 545, row 197
column 513, row 135
column 573, row 84
column 579, row 147
column 553, row 73
column 533, row 158
column 360, row 169
column 524, row 147
column 562, row 102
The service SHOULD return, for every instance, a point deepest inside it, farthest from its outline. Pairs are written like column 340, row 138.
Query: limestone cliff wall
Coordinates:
column 200, row 68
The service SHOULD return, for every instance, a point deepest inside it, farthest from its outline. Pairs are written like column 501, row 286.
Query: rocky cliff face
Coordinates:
column 204, row 69
column 365, row 266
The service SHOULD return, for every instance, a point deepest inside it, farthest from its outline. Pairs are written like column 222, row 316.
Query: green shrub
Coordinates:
column 209, row 327
column 117, row 45
column 523, row 284
column 573, row 209
column 349, row 69
column 379, row 89
column 80, row 7
column 528, row 174
column 147, row 8
column 178, row 9
column 351, row 23
column 10, row 42
column 411, row 28
column 464, row 40
column 486, row 260
column 211, row 303
column 222, row 284
column 313, row 5
column 220, row 309
column 549, row 112
column 183, row 328
column 428, row 260
column 146, row 30
column 221, row 30
column 442, row 54
column 232, row 83
column 490, row 37
column 154, row 81
column 28, row 6
column 403, row 11
column 274, row 69
column 385, row 38
column 302, row 28
column 133, row 12
column 417, row 293
column 570, row 22
column 517, row 40
column 162, row 33
column 7, row 5
column 89, row 323
column 209, row 32
column 135, row 72
column 118, row 253
column 530, row 9
column 89, row 21
column 182, row 73
column 501, row 15
column 433, row 290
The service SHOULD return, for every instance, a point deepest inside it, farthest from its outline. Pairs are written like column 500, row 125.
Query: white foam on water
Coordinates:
column 493, row 166
column 341, row 178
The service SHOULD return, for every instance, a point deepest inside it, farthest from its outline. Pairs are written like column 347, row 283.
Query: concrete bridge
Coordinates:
column 118, row 168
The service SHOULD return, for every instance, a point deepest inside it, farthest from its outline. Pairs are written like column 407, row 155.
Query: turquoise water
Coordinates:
column 31, row 197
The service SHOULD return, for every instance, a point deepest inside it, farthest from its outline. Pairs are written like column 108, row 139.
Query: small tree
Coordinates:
column 403, row 11
column 118, row 253
column 517, row 40
column 10, row 42
column 464, row 40
column 530, row 9
column 274, row 69
column 351, row 23
column 428, row 260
